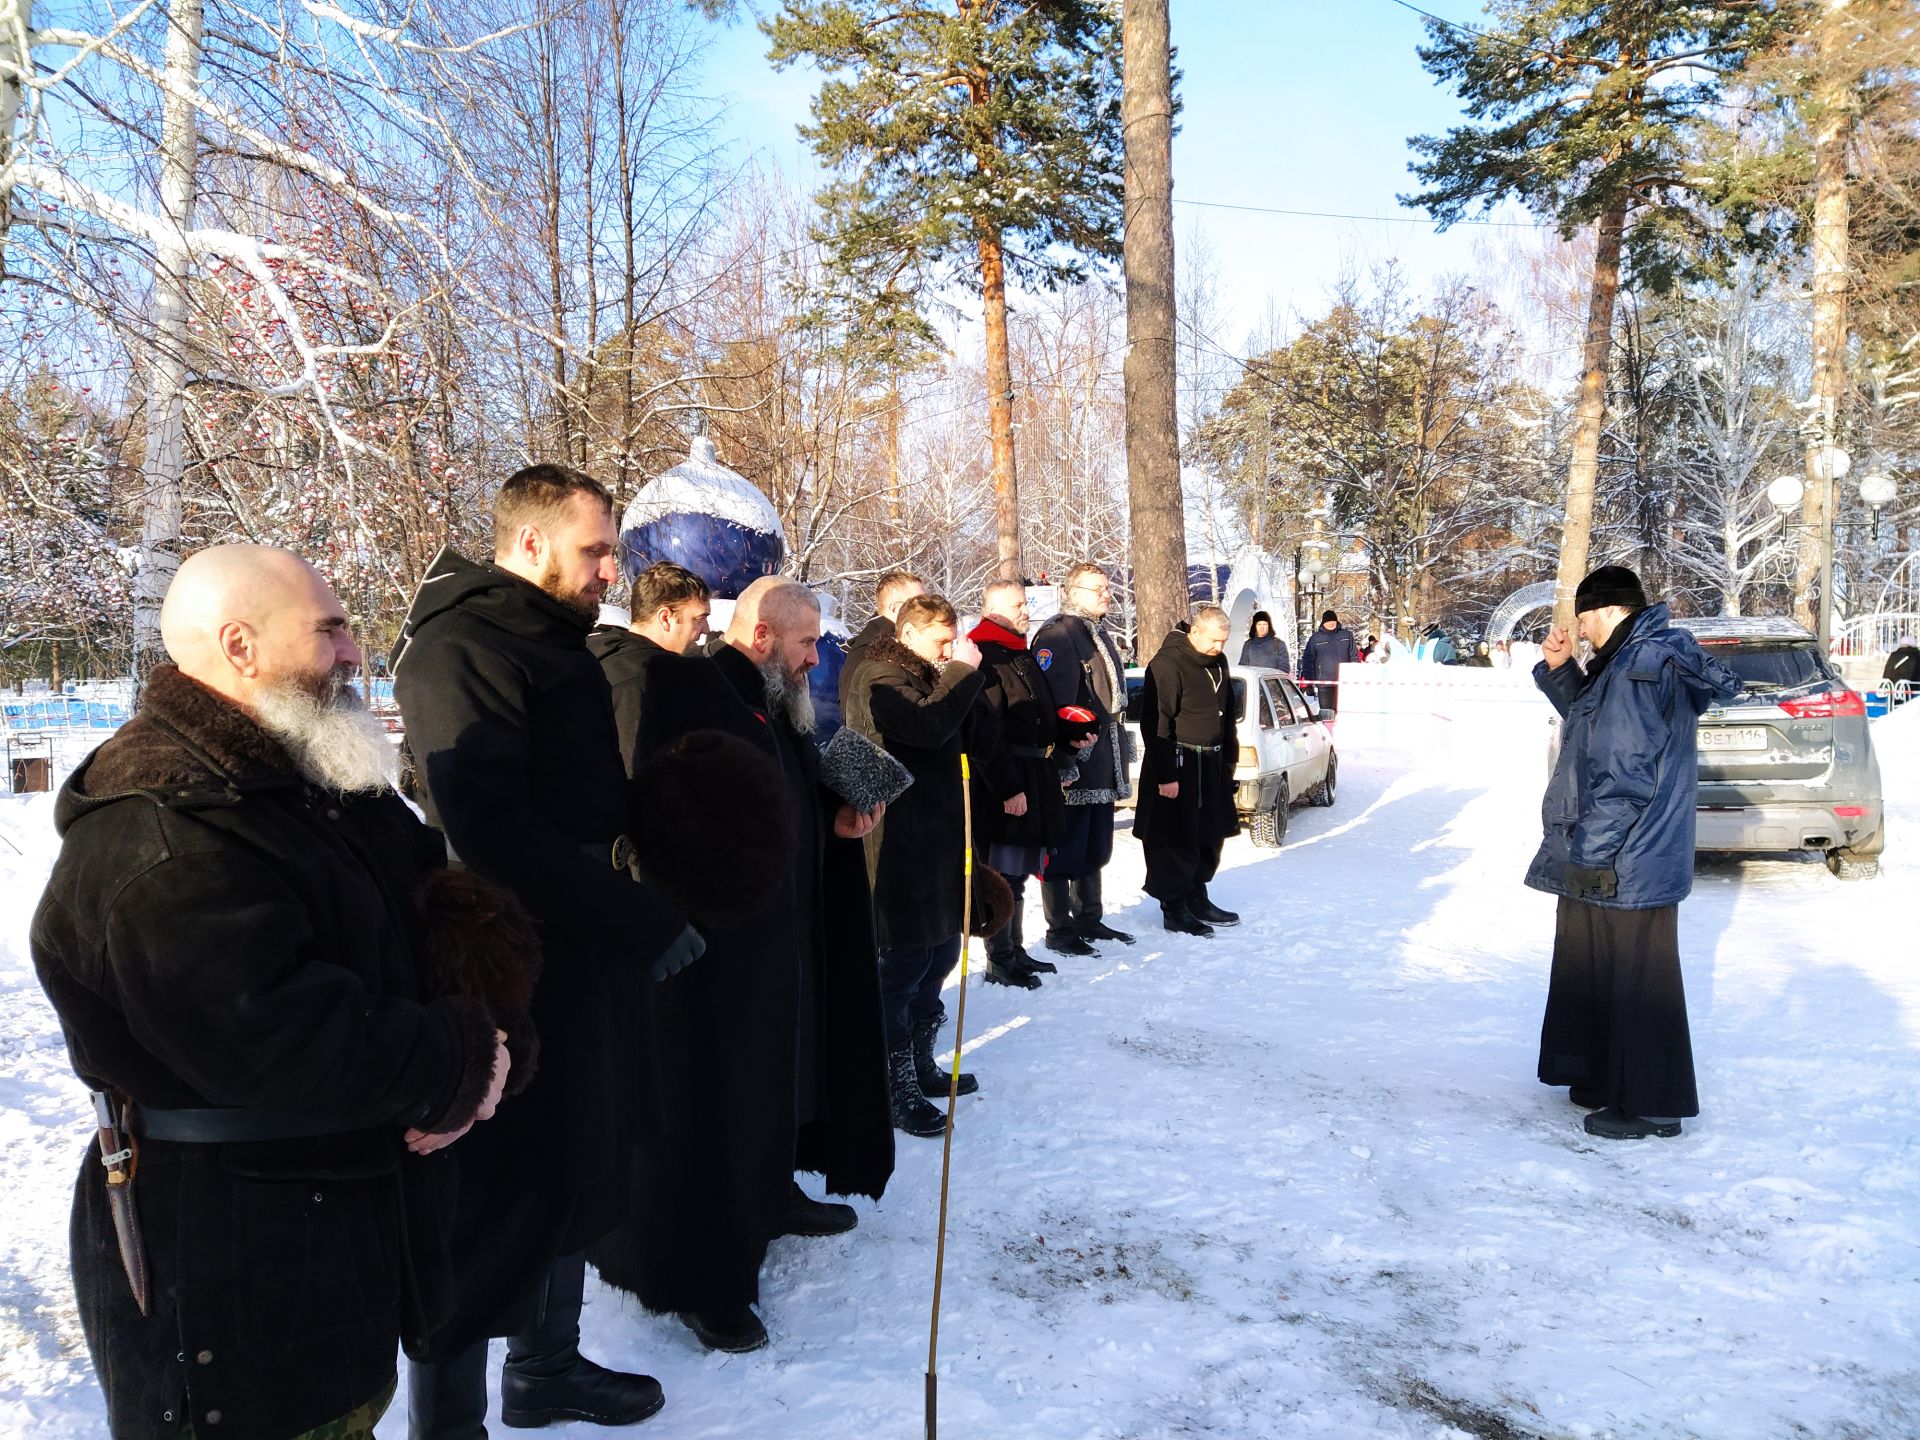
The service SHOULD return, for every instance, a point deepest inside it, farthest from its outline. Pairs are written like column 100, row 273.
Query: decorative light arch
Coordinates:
column 1517, row 606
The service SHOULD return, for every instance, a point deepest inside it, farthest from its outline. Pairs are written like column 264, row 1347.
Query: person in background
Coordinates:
column 1019, row 812
column 913, row 697
column 1186, row 809
column 231, row 941
column 669, row 605
column 1435, row 646
column 1368, row 646
column 1903, row 665
column 1076, row 651
column 1618, row 850
column 1264, row 648
column 1326, row 650
column 890, row 592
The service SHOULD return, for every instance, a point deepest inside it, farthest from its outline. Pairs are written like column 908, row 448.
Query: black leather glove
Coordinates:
column 1585, row 884
column 686, row 948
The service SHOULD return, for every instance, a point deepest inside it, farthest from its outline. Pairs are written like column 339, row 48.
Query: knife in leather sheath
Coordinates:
column 117, row 1155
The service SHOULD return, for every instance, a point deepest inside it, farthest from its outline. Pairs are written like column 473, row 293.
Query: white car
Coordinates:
column 1286, row 753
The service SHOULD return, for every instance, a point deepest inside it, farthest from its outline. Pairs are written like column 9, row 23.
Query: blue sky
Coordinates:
column 1289, row 104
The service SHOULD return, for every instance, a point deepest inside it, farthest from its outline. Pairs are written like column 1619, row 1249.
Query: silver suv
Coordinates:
column 1788, row 764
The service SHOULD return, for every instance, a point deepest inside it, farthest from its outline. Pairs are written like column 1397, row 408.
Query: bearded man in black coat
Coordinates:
column 234, row 939
column 511, row 735
column 768, row 1052
column 1019, row 813
column 1186, row 777
column 913, row 700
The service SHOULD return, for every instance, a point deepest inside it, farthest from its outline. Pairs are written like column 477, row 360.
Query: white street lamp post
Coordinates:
column 1829, row 464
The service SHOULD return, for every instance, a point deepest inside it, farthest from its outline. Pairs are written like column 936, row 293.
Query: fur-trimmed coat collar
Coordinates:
column 887, row 650
column 183, row 735
column 991, row 632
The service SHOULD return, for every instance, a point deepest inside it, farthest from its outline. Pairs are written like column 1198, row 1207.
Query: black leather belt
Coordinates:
column 230, row 1127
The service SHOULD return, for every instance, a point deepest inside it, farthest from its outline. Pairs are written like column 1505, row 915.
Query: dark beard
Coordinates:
column 577, row 601
column 788, row 695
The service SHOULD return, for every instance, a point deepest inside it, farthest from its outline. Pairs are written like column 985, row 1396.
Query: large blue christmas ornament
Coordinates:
column 706, row 517
column 824, row 679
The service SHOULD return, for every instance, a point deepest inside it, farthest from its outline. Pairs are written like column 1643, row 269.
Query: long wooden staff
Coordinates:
column 953, row 1093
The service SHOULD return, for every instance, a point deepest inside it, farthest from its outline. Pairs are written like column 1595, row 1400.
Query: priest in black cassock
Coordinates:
column 774, row 1061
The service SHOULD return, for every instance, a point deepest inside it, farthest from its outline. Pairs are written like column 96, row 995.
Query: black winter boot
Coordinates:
column 1178, row 918
column 732, row 1329
column 1091, row 911
column 933, row 1080
column 1613, row 1123
column 1011, row 971
column 546, row 1379
column 1205, row 909
column 808, row 1216
column 1004, row 963
column 1063, row 936
column 1016, row 937
column 448, row 1400
column 911, row 1112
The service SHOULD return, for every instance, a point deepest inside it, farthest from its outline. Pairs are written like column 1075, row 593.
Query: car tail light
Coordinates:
column 1249, row 757
column 1849, row 812
column 1836, row 704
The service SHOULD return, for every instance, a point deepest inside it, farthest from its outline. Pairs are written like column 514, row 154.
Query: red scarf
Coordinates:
column 992, row 632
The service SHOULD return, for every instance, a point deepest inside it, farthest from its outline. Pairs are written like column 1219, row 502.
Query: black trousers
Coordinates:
column 1178, row 873
column 1616, row 1018
column 1086, row 845
column 910, row 980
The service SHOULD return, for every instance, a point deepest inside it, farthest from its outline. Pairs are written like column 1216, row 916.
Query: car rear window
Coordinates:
column 1136, row 712
column 1772, row 667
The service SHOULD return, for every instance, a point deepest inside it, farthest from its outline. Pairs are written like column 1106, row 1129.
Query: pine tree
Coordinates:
column 972, row 143
column 1588, row 112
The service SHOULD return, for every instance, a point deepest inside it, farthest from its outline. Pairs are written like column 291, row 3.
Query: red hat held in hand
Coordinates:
column 1076, row 722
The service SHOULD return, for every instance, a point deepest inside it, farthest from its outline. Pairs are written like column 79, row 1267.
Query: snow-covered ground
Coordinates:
column 1297, row 1180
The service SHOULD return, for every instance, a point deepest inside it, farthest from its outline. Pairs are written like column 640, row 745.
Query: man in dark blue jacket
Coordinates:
column 1618, row 851
column 1326, row 650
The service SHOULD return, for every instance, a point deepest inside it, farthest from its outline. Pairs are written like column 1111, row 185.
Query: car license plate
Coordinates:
column 1734, row 737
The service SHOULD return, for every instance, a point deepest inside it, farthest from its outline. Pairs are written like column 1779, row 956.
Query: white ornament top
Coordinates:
column 701, row 485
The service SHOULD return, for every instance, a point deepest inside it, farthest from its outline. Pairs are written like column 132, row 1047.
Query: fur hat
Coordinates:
column 1076, row 723
column 1609, row 585
column 992, row 902
column 480, row 944
column 860, row 772
column 712, row 824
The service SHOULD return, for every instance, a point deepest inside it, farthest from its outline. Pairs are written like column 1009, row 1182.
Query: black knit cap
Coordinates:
column 1329, row 616
column 1609, row 585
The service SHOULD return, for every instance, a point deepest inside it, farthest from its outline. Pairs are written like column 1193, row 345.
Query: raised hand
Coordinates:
column 1557, row 648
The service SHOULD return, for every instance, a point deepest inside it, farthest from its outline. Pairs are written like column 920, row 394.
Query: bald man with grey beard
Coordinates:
column 231, row 940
